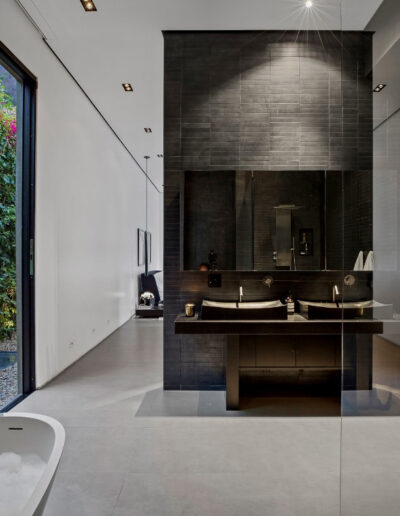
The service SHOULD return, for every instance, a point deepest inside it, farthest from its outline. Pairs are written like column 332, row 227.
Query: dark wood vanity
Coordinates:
column 294, row 344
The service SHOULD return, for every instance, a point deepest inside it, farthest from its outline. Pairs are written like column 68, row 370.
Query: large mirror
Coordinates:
column 275, row 220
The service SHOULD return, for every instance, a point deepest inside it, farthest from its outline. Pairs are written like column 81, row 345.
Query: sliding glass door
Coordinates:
column 16, row 230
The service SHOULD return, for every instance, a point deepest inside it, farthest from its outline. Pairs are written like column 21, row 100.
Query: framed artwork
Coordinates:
column 141, row 247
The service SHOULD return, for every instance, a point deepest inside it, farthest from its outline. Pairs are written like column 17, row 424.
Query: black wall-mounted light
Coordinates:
column 88, row 5
column 127, row 86
column 379, row 88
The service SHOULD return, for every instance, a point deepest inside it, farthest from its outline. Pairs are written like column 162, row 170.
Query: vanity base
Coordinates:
column 295, row 344
column 305, row 366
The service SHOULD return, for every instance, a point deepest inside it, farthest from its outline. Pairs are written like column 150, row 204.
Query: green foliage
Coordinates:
column 8, row 130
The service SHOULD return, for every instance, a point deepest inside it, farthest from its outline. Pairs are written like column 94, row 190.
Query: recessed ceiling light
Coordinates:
column 379, row 88
column 127, row 86
column 147, row 130
column 88, row 5
column 309, row 4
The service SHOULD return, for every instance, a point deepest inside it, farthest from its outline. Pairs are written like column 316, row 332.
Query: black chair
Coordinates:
column 148, row 284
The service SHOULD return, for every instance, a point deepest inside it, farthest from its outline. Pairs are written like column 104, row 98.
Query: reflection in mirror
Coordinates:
column 286, row 205
column 276, row 220
column 210, row 220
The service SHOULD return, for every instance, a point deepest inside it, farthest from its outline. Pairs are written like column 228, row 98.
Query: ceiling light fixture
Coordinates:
column 127, row 86
column 88, row 5
column 147, row 130
column 309, row 4
column 160, row 155
column 379, row 88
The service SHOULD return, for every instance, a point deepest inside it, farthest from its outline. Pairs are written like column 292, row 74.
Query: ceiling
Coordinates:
column 122, row 42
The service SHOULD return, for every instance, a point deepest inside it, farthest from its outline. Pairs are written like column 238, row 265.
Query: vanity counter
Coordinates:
column 295, row 325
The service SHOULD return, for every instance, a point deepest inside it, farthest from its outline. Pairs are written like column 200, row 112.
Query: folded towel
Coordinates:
column 359, row 265
column 369, row 262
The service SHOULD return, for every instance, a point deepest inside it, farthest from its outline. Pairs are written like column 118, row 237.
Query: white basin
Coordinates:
column 349, row 308
column 246, row 304
column 252, row 310
column 347, row 304
column 260, row 304
column 220, row 304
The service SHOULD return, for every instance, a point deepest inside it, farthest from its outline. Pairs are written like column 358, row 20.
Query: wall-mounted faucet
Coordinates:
column 240, row 293
column 268, row 280
column 349, row 280
column 335, row 292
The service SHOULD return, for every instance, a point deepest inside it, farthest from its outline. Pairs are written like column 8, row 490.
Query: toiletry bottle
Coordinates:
column 304, row 245
column 290, row 304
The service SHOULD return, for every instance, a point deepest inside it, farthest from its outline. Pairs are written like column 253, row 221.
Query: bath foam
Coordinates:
column 19, row 475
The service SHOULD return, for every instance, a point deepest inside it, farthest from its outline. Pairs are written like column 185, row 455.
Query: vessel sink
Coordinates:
column 231, row 310
column 347, row 310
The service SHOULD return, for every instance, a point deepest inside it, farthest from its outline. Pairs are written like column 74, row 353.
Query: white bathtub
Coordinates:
column 41, row 435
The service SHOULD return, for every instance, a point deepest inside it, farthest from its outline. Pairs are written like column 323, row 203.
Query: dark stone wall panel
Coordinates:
column 258, row 101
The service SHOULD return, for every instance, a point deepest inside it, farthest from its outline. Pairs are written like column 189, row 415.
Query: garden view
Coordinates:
column 8, row 298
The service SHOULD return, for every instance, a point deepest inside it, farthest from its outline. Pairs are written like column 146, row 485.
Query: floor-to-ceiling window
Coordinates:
column 17, row 97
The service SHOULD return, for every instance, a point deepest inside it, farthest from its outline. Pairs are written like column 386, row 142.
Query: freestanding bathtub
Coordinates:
column 25, row 433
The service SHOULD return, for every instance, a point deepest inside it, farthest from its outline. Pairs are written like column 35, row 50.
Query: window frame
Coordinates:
column 28, row 136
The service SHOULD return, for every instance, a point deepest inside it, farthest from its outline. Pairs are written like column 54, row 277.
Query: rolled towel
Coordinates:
column 369, row 262
column 359, row 265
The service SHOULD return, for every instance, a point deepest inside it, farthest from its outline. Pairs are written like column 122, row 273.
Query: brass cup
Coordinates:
column 189, row 309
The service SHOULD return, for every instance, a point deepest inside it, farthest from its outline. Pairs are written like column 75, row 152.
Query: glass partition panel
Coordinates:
column 271, row 131
column 370, row 452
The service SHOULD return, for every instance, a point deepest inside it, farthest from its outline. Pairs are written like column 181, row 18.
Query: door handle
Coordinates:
column 31, row 257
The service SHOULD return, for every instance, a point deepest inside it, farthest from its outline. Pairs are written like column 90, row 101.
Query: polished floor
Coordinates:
column 134, row 450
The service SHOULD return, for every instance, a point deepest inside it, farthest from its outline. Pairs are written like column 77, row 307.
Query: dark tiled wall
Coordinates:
column 255, row 101
column 267, row 100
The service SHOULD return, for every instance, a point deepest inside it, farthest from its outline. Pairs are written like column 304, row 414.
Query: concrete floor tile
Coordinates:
column 234, row 445
column 134, row 450
column 370, row 466
column 226, row 495
column 97, row 449
column 160, row 403
column 74, row 494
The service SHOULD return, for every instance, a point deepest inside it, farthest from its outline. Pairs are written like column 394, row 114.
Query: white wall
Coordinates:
column 386, row 25
column 90, row 200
